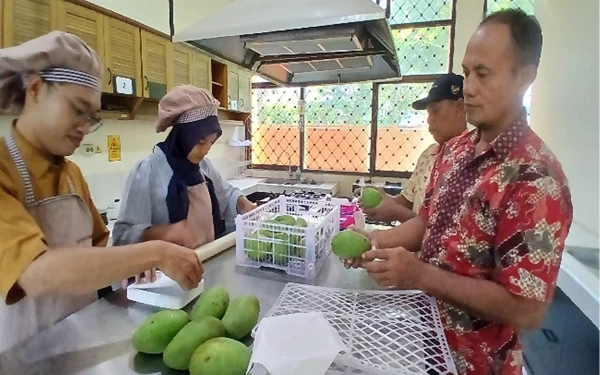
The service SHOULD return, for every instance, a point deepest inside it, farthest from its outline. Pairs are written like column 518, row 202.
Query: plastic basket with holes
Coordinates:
column 386, row 332
column 266, row 237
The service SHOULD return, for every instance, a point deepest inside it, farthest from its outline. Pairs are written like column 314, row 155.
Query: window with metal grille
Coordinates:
column 364, row 127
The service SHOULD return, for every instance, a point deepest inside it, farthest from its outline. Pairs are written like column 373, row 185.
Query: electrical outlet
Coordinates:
column 88, row 149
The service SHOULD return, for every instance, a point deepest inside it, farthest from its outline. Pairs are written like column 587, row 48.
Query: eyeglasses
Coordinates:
column 83, row 118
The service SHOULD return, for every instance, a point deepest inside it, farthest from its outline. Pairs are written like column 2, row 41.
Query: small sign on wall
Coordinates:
column 114, row 148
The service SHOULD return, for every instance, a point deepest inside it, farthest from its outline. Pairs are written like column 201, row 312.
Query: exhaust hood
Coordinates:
column 300, row 42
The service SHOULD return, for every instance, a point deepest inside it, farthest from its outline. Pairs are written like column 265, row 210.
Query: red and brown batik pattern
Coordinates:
column 501, row 216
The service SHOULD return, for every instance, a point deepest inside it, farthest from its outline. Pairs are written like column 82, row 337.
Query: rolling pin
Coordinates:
column 217, row 246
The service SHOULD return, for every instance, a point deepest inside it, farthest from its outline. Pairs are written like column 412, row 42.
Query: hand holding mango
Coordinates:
column 350, row 244
column 379, row 205
column 395, row 267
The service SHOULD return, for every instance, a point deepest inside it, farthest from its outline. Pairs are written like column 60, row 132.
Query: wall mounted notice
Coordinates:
column 114, row 148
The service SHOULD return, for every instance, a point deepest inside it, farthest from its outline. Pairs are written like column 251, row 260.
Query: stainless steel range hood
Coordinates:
column 301, row 42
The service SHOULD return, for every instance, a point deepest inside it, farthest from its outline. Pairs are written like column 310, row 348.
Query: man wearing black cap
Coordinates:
column 446, row 120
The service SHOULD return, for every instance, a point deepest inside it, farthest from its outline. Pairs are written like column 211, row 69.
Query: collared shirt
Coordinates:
column 414, row 190
column 503, row 216
column 22, row 238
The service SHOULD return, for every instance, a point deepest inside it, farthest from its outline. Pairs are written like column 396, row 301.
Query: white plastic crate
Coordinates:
column 386, row 332
column 261, row 244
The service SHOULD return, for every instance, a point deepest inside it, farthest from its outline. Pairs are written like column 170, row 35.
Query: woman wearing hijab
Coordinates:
column 52, row 254
column 175, row 194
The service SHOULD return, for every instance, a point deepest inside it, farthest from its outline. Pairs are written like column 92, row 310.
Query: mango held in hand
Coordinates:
column 212, row 302
column 349, row 244
column 220, row 356
column 370, row 197
column 179, row 352
column 156, row 332
column 241, row 316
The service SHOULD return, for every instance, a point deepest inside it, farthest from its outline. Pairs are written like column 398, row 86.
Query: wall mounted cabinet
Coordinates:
column 245, row 86
column 139, row 62
column 157, row 61
column 83, row 22
column 202, row 71
column 182, row 71
column 23, row 20
column 122, row 56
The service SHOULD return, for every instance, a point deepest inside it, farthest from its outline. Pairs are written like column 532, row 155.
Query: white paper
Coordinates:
column 296, row 344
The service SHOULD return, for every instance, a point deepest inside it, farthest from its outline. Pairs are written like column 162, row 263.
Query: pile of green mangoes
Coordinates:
column 205, row 341
column 265, row 244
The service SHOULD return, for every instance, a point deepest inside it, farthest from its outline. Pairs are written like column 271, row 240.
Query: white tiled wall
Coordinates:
column 107, row 180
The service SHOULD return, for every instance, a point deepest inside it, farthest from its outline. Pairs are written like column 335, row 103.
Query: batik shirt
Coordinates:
column 503, row 216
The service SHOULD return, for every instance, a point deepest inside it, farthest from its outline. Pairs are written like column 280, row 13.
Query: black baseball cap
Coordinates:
column 446, row 87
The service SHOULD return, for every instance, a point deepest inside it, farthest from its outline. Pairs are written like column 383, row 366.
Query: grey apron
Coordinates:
column 65, row 221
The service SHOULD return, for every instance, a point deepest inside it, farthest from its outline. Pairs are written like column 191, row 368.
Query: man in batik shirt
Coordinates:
column 496, row 214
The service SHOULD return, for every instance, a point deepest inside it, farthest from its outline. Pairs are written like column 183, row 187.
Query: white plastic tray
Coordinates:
column 164, row 292
column 387, row 332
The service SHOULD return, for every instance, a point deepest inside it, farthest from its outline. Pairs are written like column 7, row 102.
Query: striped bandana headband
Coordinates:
column 63, row 75
column 196, row 115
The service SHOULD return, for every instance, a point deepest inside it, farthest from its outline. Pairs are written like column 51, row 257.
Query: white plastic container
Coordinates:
column 112, row 212
column 305, row 249
column 164, row 292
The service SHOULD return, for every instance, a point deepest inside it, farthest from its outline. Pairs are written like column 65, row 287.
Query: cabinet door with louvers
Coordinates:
column 202, row 77
column 157, row 57
column 23, row 20
column 122, row 54
column 85, row 23
column 183, row 72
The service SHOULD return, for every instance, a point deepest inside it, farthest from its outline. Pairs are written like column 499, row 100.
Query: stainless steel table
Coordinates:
column 96, row 340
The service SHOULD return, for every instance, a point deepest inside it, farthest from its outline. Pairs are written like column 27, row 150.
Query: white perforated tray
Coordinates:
column 387, row 332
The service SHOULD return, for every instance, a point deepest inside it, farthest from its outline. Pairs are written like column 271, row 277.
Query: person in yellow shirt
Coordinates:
column 52, row 254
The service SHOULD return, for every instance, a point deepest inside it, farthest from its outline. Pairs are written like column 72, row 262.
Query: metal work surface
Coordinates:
column 96, row 340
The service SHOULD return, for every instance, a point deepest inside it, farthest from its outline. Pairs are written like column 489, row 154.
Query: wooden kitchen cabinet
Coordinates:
column 157, row 60
column 183, row 65
column 23, row 20
column 85, row 23
column 122, row 54
column 233, row 90
column 202, row 74
column 239, row 89
column 1, row 19
column 245, row 86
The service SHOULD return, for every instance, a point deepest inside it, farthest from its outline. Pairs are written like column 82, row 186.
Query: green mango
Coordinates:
column 370, row 197
column 281, row 250
column 157, row 331
column 348, row 244
column 179, row 352
column 267, row 232
column 241, row 316
column 257, row 247
column 220, row 356
column 212, row 302
column 286, row 219
column 300, row 222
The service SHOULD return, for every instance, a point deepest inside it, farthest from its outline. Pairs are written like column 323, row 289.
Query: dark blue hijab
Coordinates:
column 176, row 147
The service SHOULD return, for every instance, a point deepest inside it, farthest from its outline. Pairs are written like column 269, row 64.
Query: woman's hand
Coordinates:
column 244, row 205
column 148, row 276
